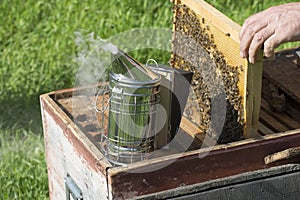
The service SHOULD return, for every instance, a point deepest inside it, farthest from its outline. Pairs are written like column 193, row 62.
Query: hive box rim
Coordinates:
column 48, row 99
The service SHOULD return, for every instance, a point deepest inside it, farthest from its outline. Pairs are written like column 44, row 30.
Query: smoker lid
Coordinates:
column 127, row 70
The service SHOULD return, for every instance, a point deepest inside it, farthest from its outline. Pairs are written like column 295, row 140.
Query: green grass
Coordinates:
column 241, row 10
column 37, row 47
column 23, row 169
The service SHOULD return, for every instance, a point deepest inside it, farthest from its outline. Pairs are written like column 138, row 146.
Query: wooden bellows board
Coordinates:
column 206, row 42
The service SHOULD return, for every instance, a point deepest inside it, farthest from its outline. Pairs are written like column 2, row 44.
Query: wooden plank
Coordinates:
column 293, row 112
column 285, row 74
column 264, row 130
column 272, row 123
column 282, row 155
column 253, row 96
column 191, row 129
column 282, row 117
column 69, row 151
column 259, row 184
column 198, row 166
column 224, row 34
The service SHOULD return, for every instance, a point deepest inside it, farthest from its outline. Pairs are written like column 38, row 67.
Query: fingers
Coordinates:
column 249, row 23
column 258, row 40
column 267, row 38
column 254, row 33
column 270, row 28
column 271, row 43
column 251, row 30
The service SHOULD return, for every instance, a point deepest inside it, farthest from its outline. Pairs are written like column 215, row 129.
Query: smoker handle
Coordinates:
column 282, row 155
column 72, row 189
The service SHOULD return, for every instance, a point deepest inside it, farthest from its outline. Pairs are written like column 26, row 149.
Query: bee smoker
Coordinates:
column 134, row 96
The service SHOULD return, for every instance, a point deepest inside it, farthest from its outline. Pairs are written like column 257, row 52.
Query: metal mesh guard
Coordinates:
column 129, row 135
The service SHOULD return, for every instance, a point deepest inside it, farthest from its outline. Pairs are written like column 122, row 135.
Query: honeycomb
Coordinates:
column 214, row 80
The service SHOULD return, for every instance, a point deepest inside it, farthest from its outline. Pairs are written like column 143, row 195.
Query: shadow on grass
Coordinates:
column 21, row 114
column 23, row 170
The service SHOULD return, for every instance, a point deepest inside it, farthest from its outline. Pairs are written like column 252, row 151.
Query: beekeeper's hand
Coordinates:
column 270, row 28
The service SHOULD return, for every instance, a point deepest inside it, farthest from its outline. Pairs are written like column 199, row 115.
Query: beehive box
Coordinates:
column 77, row 167
column 73, row 149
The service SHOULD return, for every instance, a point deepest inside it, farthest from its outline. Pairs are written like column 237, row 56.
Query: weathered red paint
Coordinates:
column 48, row 104
column 192, row 169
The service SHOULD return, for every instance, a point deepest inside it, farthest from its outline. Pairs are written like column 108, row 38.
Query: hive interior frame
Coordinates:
column 225, row 37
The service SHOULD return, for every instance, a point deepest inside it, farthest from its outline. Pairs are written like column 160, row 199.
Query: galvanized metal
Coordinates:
column 133, row 107
column 72, row 189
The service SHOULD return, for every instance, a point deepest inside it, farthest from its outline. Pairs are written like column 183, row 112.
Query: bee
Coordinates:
column 241, row 68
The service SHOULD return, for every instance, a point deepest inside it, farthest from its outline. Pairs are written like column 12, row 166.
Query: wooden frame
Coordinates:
column 225, row 34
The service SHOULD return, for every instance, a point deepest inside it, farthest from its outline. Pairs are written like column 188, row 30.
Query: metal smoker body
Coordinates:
column 133, row 106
